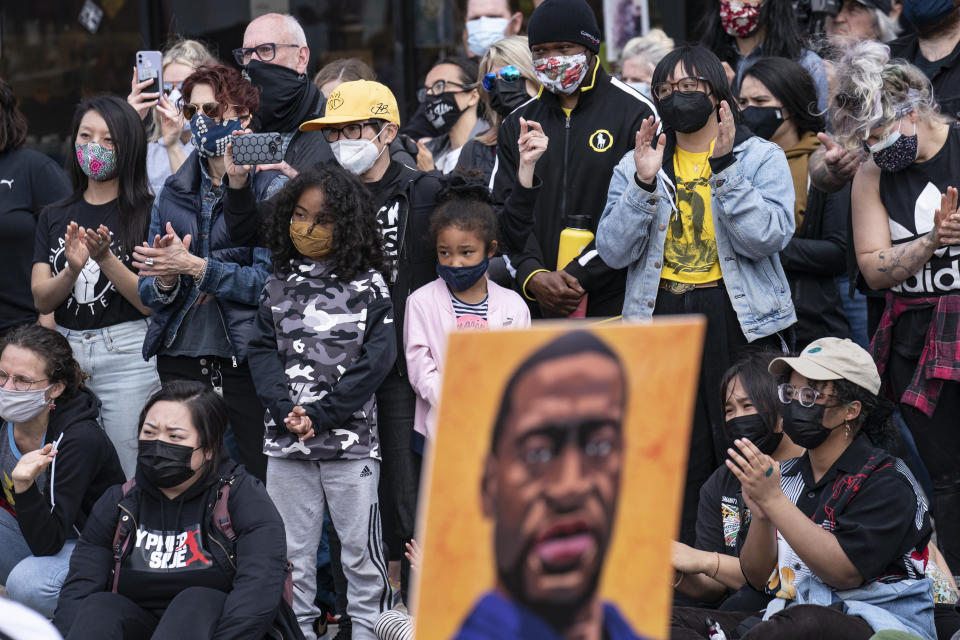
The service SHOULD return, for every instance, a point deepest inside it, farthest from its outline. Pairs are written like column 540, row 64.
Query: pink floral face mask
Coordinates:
column 561, row 74
column 99, row 163
column 739, row 19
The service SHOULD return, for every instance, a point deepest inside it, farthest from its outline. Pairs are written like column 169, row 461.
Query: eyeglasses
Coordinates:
column 352, row 131
column 508, row 73
column 210, row 109
column 806, row 396
column 684, row 85
column 20, row 383
column 440, row 86
column 265, row 52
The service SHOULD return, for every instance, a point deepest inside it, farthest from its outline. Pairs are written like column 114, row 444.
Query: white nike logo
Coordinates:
column 9, row 182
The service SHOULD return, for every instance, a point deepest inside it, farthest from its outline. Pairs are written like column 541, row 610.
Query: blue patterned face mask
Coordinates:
column 896, row 152
column 209, row 137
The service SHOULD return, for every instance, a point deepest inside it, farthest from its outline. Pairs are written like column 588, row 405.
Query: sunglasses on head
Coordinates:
column 508, row 73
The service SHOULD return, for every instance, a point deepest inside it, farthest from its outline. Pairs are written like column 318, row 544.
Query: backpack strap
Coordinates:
column 221, row 514
column 121, row 537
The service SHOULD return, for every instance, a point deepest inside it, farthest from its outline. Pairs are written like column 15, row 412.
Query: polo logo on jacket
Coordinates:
column 160, row 550
column 601, row 140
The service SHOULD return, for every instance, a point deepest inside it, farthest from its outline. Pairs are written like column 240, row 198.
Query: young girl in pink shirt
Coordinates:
column 464, row 228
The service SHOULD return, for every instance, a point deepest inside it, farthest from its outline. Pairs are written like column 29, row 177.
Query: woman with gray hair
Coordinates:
column 907, row 235
column 640, row 57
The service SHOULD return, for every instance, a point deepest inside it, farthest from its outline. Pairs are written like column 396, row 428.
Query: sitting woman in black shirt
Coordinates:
column 837, row 536
column 178, row 571
column 710, row 569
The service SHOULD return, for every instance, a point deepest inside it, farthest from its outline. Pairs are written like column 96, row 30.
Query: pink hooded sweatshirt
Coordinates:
column 429, row 320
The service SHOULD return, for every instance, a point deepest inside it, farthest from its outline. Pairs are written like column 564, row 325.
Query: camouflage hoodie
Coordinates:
column 325, row 344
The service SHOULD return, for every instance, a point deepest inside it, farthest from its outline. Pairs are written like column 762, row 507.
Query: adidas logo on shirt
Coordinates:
column 366, row 473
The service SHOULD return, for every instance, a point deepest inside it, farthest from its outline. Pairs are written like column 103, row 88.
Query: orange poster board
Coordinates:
column 467, row 477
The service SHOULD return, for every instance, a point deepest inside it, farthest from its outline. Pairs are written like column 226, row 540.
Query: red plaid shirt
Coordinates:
column 940, row 359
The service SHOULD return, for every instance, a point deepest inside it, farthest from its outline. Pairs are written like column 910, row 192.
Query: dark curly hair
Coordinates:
column 229, row 87
column 465, row 204
column 53, row 349
column 876, row 414
column 357, row 244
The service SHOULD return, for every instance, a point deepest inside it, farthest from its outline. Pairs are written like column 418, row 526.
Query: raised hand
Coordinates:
column 424, row 157
column 140, row 101
column 171, row 121
column 30, row 466
column 97, row 242
column 74, row 248
column 726, row 132
column 841, row 164
column 532, row 145
column 647, row 158
column 237, row 174
column 946, row 220
column 758, row 473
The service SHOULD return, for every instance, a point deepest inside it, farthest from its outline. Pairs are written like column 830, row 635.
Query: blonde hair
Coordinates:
column 651, row 47
column 190, row 53
column 512, row 50
column 874, row 91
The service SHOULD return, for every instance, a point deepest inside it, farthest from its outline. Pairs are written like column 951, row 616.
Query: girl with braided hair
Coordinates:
column 907, row 236
column 464, row 229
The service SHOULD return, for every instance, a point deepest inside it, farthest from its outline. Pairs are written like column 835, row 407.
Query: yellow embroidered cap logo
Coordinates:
column 601, row 140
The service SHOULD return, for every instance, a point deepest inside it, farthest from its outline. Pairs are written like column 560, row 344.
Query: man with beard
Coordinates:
column 551, row 483
column 275, row 56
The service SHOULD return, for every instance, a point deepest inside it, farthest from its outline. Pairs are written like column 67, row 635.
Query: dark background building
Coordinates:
column 56, row 52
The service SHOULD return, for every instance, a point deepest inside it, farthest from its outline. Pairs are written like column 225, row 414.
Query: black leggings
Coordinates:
column 798, row 622
column 191, row 615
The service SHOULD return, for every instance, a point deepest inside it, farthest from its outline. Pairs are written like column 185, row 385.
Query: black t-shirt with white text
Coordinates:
column 94, row 302
column 910, row 197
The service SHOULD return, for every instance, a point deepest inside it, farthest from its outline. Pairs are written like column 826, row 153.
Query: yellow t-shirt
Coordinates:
column 690, row 250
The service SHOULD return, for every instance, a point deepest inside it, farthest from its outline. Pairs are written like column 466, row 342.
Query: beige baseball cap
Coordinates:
column 832, row 359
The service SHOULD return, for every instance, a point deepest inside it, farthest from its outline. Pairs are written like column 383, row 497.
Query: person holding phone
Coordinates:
column 202, row 287
column 168, row 133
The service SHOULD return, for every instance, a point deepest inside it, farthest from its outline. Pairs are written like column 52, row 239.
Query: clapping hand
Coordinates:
column 75, row 247
column 758, row 473
column 946, row 220
column 726, row 132
column 169, row 257
column 647, row 158
column 841, row 163
column 97, row 242
column 299, row 423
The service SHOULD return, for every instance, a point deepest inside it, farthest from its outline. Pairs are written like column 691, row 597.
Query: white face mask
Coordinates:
column 642, row 87
column 483, row 32
column 357, row 156
column 22, row 406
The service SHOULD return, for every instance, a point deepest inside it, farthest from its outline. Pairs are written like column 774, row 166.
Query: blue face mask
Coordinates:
column 462, row 278
column 922, row 13
column 485, row 31
column 210, row 138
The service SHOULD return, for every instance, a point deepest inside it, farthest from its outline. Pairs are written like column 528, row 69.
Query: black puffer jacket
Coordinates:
column 174, row 545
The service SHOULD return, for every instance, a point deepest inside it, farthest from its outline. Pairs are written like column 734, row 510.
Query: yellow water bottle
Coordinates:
column 573, row 240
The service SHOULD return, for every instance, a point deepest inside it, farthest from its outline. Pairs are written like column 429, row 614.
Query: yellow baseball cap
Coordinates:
column 355, row 101
column 832, row 359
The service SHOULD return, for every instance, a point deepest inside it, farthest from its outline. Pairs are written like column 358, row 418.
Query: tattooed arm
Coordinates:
column 883, row 264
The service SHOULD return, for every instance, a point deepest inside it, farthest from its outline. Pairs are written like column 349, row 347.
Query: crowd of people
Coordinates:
column 210, row 370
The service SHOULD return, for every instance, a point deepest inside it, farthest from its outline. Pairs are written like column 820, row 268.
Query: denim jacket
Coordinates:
column 234, row 275
column 752, row 208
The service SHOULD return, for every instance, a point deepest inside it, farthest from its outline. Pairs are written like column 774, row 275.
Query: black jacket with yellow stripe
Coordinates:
column 574, row 174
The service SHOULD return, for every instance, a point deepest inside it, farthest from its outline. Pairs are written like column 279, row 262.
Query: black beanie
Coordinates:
column 564, row 21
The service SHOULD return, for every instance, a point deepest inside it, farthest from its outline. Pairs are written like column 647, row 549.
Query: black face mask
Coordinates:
column 507, row 96
column 686, row 112
column 804, row 425
column 163, row 463
column 286, row 97
column 442, row 111
column 763, row 121
column 754, row 429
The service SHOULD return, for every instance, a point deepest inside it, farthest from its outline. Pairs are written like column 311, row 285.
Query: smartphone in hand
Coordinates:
column 150, row 67
column 257, row 148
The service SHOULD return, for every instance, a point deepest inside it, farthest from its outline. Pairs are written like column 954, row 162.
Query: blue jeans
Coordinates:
column 34, row 581
column 855, row 309
column 120, row 377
